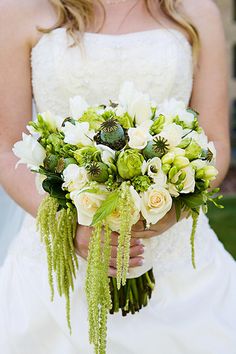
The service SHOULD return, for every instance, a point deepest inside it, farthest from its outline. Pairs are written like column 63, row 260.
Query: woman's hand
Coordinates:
column 82, row 239
column 157, row 229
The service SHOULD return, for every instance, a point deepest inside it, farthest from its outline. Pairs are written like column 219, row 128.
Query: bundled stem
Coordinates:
column 57, row 229
column 195, row 216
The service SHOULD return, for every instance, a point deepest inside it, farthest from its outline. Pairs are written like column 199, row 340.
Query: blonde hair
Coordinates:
column 78, row 15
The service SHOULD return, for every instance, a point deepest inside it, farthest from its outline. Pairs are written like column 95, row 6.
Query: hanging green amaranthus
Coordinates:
column 97, row 287
column 58, row 229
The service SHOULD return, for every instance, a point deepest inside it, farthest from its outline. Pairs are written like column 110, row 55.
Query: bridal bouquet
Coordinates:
column 107, row 166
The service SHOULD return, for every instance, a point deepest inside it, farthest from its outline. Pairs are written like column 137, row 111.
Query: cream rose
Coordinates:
column 155, row 203
column 75, row 178
column 113, row 220
column 87, row 204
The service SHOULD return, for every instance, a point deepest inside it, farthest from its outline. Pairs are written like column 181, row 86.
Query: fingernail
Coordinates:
column 142, row 250
column 141, row 262
column 138, row 241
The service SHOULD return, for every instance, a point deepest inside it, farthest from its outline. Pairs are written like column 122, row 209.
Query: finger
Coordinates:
column 115, row 237
column 136, row 262
column 144, row 234
column 134, row 251
column 112, row 272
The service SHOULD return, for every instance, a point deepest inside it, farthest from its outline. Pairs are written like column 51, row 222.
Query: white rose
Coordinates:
column 87, row 204
column 77, row 107
column 155, row 203
column 75, row 178
column 173, row 134
column 107, row 154
column 78, row 133
column 113, row 220
column 154, row 170
column 54, row 121
column 170, row 108
column 29, row 151
column 138, row 137
column 137, row 104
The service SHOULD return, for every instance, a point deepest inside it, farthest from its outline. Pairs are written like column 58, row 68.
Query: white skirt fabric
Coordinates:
column 191, row 311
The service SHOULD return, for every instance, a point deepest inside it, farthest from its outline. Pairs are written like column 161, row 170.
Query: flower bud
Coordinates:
column 193, row 151
column 184, row 143
column 181, row 162
column 168, row 158
column 166, row 168
column 177, row 151
column 210, row 173
column 172, row 172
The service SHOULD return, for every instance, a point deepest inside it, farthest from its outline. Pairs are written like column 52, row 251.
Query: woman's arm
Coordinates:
column 210, row 86
column 209, row 95
column 17, row 35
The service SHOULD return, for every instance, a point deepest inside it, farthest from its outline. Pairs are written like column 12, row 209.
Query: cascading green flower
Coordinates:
column 57, row 229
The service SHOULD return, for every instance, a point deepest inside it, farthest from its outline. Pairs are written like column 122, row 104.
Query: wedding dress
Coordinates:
column 191, row 311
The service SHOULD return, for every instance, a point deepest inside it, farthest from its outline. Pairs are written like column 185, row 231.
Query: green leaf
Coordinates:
column 53, row 186
column 178, row 208
column 193, row 201
column 107, row 207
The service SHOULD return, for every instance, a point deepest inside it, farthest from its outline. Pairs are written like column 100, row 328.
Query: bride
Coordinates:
column 56, row 49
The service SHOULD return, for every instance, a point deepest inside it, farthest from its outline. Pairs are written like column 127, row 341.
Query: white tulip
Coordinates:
column 87, row 204
column 113, row 220
column 107, row 154
column 186, row 117
column 53, row 121
column 77, row 107
column 30, row 152
column 173, row 134
column 170, row 108
column 75, row 178
column 211, row 147
column 154, row 170
column 78, row 133
column 155, row 203
column 137, row 104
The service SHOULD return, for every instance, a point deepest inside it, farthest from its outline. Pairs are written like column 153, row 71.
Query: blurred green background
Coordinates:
column 224, row 222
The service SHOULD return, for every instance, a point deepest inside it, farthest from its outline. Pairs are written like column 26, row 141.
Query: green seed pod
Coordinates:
column 156, row 148
column 51, row 162
column 98, row 171
column 111, row 132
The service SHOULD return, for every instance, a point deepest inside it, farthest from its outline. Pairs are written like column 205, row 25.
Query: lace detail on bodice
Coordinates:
column 159, row 62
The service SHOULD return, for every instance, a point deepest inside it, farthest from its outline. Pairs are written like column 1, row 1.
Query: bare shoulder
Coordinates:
column 204, row 14
column 19, row 19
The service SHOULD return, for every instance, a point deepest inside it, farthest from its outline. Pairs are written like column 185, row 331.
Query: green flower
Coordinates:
column 93, row 118
column 86, row 155
column 141, row 183
column 125, row 121
column 193, row 150
column 129, row 164
column 158, row 125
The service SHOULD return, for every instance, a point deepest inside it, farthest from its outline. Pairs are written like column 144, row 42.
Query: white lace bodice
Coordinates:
column 159, row 62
